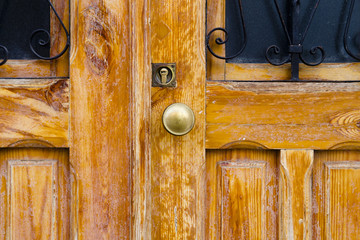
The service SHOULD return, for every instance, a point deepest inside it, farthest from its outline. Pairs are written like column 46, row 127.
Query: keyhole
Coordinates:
column 164, row 73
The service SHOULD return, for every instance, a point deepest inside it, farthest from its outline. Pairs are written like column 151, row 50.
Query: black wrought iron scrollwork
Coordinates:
column 220, row 41
column 3, row 55
column 346, row 32
column 295, row 40
column 45, row 41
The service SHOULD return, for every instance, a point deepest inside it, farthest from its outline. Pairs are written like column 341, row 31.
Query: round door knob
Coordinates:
column 178, row 119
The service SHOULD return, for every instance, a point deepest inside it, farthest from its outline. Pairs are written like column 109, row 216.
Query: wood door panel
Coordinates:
column 241, row 194
column 282, row 115
column 35, row 194
column 336, row 195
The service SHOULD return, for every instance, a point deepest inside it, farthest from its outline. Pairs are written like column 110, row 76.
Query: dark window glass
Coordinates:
column 18, row 20
column 263, row 28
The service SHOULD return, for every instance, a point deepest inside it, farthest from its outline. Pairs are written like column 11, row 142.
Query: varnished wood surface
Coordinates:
column 100, row 73
column 177, row 36
column 295, row 194
column 34, row 110
column 268, row 72
column 282, row 115
column 141, row 162
column 241, row 189
column 336, row 200
column 35, row 194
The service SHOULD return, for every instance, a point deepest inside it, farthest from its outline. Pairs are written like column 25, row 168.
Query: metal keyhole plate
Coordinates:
column 163, row 75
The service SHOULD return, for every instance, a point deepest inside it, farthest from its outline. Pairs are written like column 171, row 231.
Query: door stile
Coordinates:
column 295, row 194
column 177, row 36
column 100, row 150
column 140, row 122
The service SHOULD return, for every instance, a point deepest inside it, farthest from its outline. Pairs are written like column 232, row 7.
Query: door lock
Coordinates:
column 163, row 75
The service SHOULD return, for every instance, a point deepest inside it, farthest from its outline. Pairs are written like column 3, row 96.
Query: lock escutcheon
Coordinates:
column 163, row 75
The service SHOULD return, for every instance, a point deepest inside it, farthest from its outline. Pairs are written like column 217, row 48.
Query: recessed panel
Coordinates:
column 241, row 194
column 336, row 195
column 242, row 200
column 343, row 200
column 33, row 195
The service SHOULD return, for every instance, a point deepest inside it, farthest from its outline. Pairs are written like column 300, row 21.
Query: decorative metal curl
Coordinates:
column 313, row 51
column 276, row 50
column 346, row 33
column 43, row 42
column 295, row 42
column 220, row 41
column 6, row 53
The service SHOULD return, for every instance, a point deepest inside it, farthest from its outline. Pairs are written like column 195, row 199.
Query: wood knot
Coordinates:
column 57, row 95
column 98, row 39
column 348, row 123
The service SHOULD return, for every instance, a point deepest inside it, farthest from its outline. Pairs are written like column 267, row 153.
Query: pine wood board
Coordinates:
column 282, row 115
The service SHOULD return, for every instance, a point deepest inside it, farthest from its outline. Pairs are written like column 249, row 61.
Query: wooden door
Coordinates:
column 266, row 159
column 67, row 126
column 85, row 155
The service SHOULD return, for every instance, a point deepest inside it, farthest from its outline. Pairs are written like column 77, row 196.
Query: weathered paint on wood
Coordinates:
column 282, row 115
column 177, row 36
column 34, row 110
column 241, row 192
column 35, row 194
column 100, row 149
column 295, row 194
column 336, row 199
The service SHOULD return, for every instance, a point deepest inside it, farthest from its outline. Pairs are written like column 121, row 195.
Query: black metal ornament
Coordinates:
column 220, row 41
column 295, row 40
column 44, row 40
column 295, row 34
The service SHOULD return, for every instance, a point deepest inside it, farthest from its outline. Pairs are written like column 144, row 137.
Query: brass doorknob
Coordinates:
column 178, row 119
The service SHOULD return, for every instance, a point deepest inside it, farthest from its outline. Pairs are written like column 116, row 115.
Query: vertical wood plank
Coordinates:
column 177, row 36
column 295, row 194
column 141, row 99
column 100, row 74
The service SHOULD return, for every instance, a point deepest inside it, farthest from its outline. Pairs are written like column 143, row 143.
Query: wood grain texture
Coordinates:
column 241, row 191
column 100, row 150
column 336, row 198
column 34, row 110
column 268, row 72
column 177, row 36
column 295, row 194
column 282, row 115
column 141, row 107
column 35, row 194
column 40, row 68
